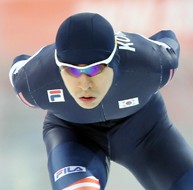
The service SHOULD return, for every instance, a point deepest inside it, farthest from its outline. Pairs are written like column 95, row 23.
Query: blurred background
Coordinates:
column 27, row 25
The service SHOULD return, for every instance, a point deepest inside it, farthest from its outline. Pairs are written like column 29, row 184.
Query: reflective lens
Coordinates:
column 90, row 71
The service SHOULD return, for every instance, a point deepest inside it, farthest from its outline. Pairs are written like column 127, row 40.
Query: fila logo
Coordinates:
column 128, row 103
column 56, row 95
column 68, row 170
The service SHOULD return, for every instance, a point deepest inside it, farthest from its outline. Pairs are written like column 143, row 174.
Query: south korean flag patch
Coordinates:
column 56, row 95
column 128, row 103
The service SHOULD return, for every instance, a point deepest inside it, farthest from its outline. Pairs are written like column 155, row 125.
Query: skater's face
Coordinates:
column 87, row 85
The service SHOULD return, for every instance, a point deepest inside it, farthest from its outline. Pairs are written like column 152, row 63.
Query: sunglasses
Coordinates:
column 90, row 70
